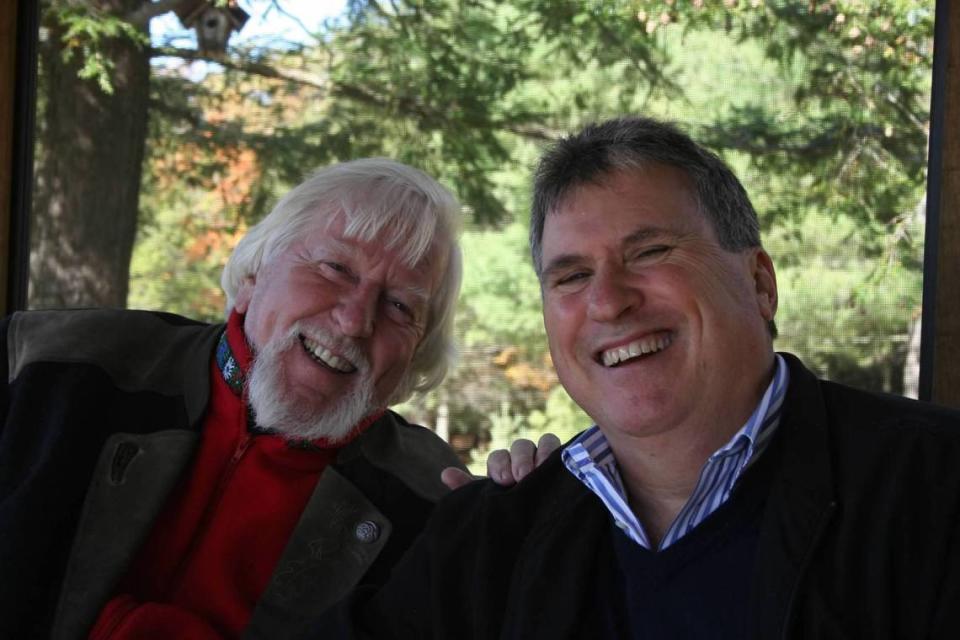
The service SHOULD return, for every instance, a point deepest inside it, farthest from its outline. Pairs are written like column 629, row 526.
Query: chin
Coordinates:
column 294, row 419
column 278, row 408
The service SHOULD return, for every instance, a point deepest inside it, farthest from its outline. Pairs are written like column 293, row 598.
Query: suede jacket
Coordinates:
column 101, row 415
column 859, row 538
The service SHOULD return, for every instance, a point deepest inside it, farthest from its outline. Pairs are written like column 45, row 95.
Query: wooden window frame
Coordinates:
column 19, row 29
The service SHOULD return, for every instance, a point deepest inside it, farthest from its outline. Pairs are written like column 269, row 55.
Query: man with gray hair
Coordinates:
column 166, row 478
column 724, row 491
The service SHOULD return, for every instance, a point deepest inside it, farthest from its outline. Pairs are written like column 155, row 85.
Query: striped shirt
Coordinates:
column 590, row 458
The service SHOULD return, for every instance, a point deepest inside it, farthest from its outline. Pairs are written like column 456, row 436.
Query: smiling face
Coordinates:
column 653, row 327
column 333, row 321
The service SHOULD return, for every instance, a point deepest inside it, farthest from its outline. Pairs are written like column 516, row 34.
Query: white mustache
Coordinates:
column 343, row 346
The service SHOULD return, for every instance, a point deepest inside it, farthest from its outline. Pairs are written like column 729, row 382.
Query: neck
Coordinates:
column 660, row 470
column 659, row 476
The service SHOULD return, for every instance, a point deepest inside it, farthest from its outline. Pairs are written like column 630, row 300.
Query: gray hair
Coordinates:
column 374, row 195
column 599, row 150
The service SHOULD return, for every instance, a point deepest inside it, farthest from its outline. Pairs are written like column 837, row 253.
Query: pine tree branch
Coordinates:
column 402, row 104
column 247, row 66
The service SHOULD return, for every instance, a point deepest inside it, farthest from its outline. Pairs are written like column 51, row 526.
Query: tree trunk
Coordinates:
column 90, row 151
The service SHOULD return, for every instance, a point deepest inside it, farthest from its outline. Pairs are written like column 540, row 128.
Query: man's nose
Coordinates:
column 611, row 295
column 355, row 313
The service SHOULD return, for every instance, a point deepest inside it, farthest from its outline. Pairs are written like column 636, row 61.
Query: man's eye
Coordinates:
column 650, row 252
column 401, row 309
column 335, row 267
column 570, row 278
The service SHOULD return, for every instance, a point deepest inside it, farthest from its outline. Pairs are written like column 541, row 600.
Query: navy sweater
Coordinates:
column 700, row 586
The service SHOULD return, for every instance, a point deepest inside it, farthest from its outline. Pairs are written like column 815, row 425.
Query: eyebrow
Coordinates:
column 341, row 245
column 642, row 234
column 420, row 293
column 560, row 263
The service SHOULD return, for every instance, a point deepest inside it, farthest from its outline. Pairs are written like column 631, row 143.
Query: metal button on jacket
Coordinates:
column 367, row 531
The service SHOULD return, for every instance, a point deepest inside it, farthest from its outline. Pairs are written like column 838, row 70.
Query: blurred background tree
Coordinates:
column 154, row 156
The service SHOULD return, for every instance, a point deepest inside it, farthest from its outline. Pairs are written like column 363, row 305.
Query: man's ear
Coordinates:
column 244, row 294
column 765, row 280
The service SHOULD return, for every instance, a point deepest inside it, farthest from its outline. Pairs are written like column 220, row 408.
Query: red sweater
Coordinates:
column 214, row 546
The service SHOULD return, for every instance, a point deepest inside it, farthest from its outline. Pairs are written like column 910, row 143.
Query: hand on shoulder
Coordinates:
column 507, row 467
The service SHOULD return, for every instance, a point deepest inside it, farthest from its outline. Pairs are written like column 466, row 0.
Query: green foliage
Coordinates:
column 162, row 277
column 857, row 132
column 438, row 104
column 85, row 30
column 500, row 301
column 560, row 416
column 821, row 108
column 844, row 312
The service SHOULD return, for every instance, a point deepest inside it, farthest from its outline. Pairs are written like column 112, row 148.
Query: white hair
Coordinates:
column 374, row 195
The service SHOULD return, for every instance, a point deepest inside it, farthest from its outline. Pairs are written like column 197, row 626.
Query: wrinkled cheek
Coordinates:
column 555, row 340
column 387, row 382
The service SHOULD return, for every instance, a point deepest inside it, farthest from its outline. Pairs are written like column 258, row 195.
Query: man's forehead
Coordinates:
column 655, row 195
column 416, row 250
column 632, row 206
column 384, row 245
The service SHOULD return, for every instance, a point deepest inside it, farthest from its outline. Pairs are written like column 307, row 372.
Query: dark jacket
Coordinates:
column 859, row 537
column 100, row 416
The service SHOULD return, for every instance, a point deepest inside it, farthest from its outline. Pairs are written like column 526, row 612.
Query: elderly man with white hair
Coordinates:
column 161, row 477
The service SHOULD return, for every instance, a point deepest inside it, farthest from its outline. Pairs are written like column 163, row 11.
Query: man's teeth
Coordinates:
column 325, row 356
column 634, row 349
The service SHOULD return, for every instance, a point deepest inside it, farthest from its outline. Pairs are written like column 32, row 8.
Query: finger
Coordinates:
column 522, row 454
column 498, row 467
column 455, row 478
column 547, row 444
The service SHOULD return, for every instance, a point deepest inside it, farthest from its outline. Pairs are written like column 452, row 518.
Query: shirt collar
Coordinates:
column 233, row 354
column 766, row 412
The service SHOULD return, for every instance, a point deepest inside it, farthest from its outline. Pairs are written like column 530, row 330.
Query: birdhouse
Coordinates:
column 212, row 21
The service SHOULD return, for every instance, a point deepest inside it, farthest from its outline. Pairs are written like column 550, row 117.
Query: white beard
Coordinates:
column 276, row 408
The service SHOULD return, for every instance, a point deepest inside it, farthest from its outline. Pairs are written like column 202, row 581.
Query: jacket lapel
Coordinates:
column 130, row 483
column 341, row 532
column 800, row 506
column 337, row 538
